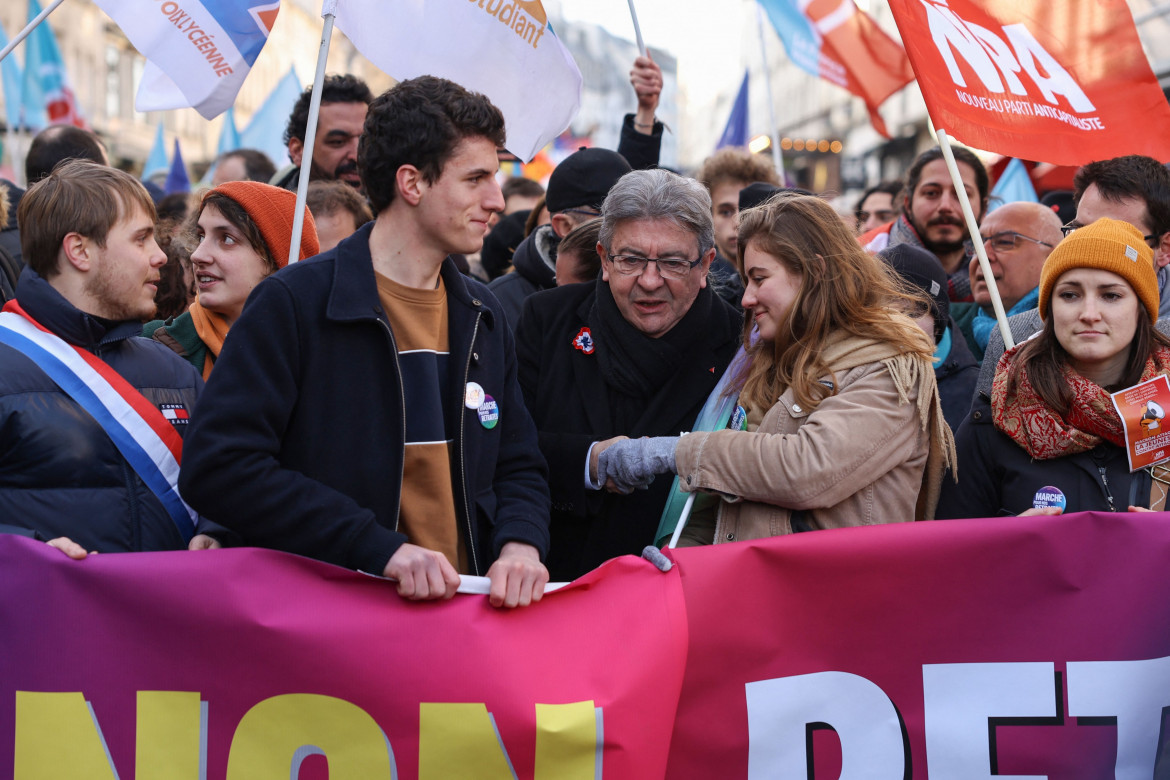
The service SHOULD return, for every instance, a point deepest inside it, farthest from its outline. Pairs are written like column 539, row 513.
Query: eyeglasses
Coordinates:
column 1007, row 240
column 668, row 267
column 883, row 216
column 586, row 212
column 1151, row 240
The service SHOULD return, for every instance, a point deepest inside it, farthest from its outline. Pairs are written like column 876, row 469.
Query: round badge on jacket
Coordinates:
column 489, row 412
column 1049, row 496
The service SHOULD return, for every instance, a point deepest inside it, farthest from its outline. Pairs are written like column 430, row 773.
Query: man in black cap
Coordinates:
column 634, row 354
column 575, row 192
column 955, row 369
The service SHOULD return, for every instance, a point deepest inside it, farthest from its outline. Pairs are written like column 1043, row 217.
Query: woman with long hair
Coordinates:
column 1049, row 439
column 242, row 231
column 837, row 420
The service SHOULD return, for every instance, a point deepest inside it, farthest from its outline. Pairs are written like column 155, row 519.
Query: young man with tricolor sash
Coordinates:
column 92, row 415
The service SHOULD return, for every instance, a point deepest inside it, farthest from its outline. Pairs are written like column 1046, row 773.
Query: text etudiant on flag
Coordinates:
column 1061, row 82
column 840, row 43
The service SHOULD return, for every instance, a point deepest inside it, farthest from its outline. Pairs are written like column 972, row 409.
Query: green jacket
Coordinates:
column 179, row 334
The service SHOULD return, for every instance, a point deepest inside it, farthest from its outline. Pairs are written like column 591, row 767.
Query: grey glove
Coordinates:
column 633, row 463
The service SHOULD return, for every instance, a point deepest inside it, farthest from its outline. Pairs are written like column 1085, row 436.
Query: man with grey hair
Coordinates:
column 635, row 354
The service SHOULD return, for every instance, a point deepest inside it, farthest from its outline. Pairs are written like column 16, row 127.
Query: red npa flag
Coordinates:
column 1063, row 82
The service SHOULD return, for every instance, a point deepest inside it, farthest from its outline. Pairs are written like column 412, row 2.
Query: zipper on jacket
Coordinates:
column 462, row 466
column 1105, row 484
column 402, row 404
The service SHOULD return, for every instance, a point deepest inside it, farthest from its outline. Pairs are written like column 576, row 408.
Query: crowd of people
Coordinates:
column 524, row 382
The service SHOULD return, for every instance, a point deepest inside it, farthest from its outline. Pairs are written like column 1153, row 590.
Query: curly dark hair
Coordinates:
column 1131, row 176
column 962, row 155
column 419, row 122
column 338, row 88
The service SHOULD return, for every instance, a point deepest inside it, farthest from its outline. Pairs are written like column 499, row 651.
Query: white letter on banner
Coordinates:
column 780, row 710
column 959, row 699
column 949, row 31
column 1058, row 81
column 1133, row 692
column 1001, row 55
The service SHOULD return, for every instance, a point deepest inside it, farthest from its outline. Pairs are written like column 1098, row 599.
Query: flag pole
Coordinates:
column 294, row 249
column 28, row 28
column 773, row 132
column 682, row 520
column 637, row 29
column 973, row 229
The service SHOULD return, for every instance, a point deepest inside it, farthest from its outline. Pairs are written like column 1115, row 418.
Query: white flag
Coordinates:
column 505, row 49
column 198, row 52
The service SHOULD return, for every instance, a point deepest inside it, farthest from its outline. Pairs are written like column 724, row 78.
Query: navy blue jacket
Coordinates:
column 60, row 473
column 298, row 442
column 957, row 376
column 999, row 477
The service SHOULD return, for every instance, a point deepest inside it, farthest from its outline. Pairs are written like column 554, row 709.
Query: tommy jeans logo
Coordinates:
column 176, row 413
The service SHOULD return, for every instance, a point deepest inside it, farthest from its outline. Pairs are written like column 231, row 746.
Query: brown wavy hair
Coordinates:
column 842, row 288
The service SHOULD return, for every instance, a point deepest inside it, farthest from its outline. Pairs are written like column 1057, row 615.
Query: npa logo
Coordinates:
column 999, row 61
column 176, row 413
column 526, row 18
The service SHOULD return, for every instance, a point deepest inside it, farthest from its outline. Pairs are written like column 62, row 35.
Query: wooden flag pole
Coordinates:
column 294, row 249
column 973, row 229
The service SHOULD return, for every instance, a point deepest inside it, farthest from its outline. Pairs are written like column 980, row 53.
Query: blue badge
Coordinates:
column 1049, row 496
column 489, row 412
column 738, row 419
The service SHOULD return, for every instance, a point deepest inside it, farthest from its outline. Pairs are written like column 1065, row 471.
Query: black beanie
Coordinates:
column 921, row 269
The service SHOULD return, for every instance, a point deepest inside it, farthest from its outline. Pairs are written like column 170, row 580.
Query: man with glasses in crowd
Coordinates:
column 635, row 354
column 1017, row 237
column 1134, row 189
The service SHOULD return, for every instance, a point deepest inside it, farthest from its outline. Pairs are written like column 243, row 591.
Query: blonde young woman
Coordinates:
column 838, row 420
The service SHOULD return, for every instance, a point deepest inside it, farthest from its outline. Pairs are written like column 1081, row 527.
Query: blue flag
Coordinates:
column 1014, row 185
column 229, row 136
column 157, row 161
column 266, row 130
column 736, row 131
column 177, row 179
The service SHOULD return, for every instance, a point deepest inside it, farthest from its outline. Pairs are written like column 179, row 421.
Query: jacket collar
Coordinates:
column 354, row 294
column 49, row 308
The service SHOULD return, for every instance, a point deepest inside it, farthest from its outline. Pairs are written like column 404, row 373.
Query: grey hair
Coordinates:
column 659, row 194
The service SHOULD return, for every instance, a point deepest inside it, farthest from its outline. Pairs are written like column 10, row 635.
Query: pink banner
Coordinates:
column 1025, row 647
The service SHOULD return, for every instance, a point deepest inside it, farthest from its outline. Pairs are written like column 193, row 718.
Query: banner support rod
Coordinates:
column 637, row 29
column 28, row 28
column 773, row 129
column 294, row 249
column 944, row 143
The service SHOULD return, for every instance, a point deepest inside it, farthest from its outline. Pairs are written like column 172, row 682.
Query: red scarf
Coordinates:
column 1046, row 433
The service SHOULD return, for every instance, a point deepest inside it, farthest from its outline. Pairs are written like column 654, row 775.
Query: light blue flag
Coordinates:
column 177, row 179
column 266, row 129
column 10, row 73
column 229, row 136
column 39, row 50
column 736, row 131
column 157, row 161
column 1014, row 185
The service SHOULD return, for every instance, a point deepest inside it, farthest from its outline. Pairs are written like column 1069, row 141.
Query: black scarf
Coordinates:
column 635, row 365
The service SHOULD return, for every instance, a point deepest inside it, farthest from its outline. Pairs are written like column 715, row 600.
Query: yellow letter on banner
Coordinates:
column 169, row 743
column 567, row 738
column 462, row 740
column 57, row 735
column 276, row 735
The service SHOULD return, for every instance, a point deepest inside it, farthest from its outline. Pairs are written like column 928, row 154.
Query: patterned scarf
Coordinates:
column 1043, row 432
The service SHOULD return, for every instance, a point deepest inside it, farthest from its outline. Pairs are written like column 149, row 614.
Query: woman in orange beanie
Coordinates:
column 243, row 230
column 1049, row 439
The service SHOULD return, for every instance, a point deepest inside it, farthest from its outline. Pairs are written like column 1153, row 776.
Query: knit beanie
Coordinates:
column 921, row 269
column 1109, row 245
column 272, row 209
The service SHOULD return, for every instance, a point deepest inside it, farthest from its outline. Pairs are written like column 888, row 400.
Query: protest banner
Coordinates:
column 1064, row 83
column 960, row 649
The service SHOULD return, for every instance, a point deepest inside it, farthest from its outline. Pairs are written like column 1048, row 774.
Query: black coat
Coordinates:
column 298, row 443
column 957, row 376
column 566, row 393
column 998, row 477
column 60, row 473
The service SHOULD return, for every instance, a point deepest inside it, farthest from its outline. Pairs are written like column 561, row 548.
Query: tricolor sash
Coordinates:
column 138, row 429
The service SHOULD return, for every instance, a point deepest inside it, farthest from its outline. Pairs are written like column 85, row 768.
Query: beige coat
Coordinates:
column 858, row 459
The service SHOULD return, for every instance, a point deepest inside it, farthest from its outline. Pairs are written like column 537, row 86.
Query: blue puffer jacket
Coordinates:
column 60, row 474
